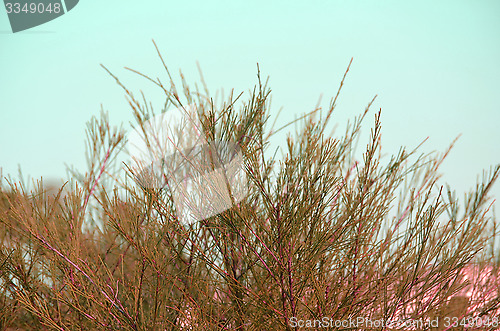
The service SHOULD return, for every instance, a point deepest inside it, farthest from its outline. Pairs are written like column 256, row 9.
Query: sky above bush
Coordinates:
column 433, row 65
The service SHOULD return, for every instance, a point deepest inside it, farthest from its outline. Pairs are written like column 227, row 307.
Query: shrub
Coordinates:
column 319, row 237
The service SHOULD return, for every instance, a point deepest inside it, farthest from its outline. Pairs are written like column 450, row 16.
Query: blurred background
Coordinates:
column 435, row 67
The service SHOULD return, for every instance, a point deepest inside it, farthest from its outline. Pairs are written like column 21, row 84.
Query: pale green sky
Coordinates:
column 435, row 66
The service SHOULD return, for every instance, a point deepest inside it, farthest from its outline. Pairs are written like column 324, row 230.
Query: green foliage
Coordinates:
column 319, row 235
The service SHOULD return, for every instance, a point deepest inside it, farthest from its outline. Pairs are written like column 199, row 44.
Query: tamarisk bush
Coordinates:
column 320, row 234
